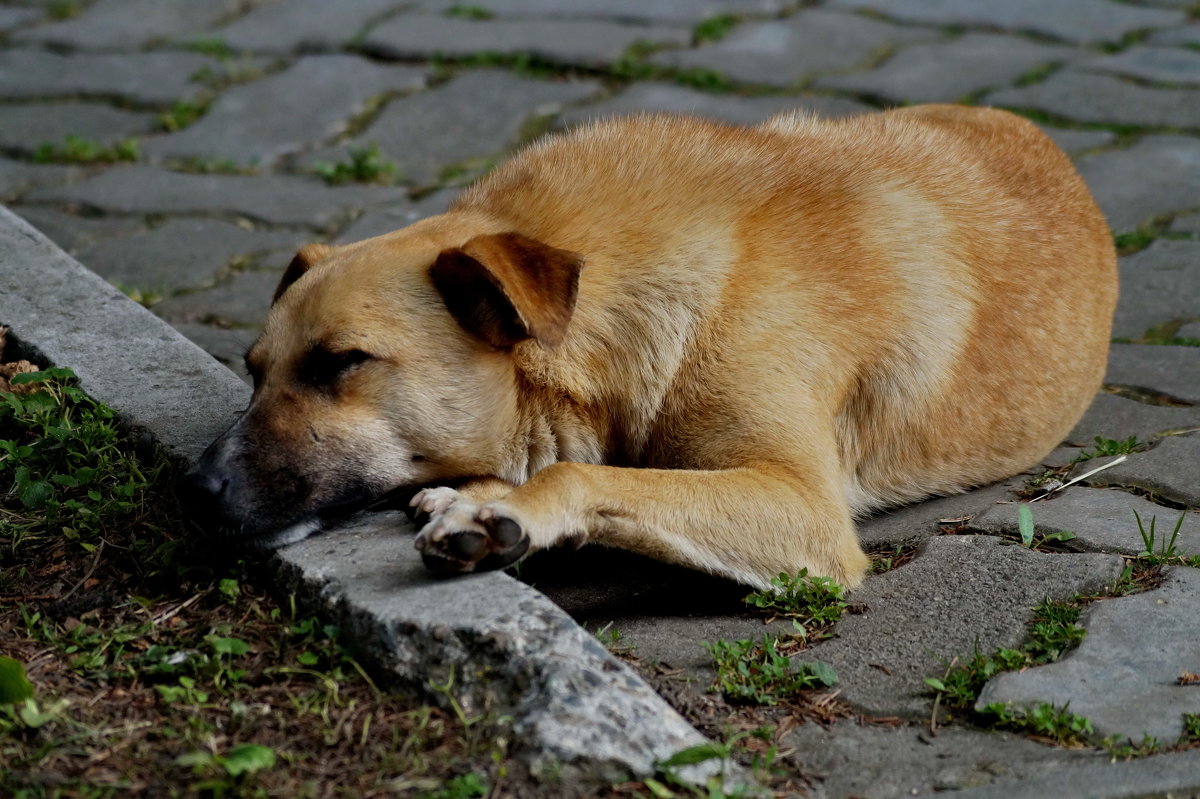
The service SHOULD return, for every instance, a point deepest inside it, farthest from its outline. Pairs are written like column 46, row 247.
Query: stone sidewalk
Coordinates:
column 200, row 133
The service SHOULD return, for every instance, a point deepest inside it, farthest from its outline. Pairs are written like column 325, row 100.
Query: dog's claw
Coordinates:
column 465, row 538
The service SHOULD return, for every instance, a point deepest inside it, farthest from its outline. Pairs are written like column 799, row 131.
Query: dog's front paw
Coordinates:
column 465, row 537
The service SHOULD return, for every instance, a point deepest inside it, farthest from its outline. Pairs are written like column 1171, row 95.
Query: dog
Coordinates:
column 712, row 345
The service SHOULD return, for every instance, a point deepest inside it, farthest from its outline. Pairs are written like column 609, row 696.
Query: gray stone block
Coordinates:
column 1073, row 94
column 680, row 100
column 24, row 127
column 876, row 761
column 960, row 593
column 309, row 103
column 275, row 199
column 783, row 52
column 1102, row 520
column 1191, row 331
column 1078, row 141
column 241, row 300
column 1174, row 371
column 474, row 116
column 180, row 253
column 1162, row 64
column 157, row 77
column 510, row 649
column 947, row 71
column 1177, row 36
column 394, row 217
column 11, row 18
column 1122, row 676
column 19, row 177
column 1079, row 21
column 1157, row 175
column 926, row 519
column 1117, row 418
column 302, row 25
column 73, row 232
column 227, row 345
column 1187, row 223
column 1171, row 470
column 110, row 24
column 1171, row 775
column 588, row 43
column 1159, row 284
column 688, row 12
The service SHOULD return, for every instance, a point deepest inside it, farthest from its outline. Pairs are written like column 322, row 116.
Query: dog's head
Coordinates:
column 382, row 366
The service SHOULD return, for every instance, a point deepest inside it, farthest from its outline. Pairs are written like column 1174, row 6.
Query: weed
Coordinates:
column 1058, row 724
column 1106, row 447
column 1026, row 529
column 464, row 786
column 64, row 9
column 750, row 671
column 716, row 786
column 463, row 11
column 1158, row 552
column 885, row 560
column 78, row 150
column 1191, row 726
column 229, row 772
column 613, row 640
column 714, row 28
column 211, row 45
column 365, row 165
column 1127, row 750
column 1134, row 240
column 143, row 297
column 813, row 603
column 182, row 114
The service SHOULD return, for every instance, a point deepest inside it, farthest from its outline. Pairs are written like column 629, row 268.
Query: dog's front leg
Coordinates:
column 748, row 523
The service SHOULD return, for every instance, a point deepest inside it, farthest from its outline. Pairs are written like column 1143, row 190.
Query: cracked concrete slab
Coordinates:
column 1122, row 677
column 1172, row 371
column 1117, row 418
column 1171, row 470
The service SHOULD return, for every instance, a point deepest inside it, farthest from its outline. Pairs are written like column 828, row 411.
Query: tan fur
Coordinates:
column 776, row 329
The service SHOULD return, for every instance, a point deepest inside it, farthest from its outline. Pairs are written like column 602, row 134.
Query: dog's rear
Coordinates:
column 781, row 326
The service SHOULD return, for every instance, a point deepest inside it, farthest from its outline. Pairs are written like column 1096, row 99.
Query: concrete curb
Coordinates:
column 494, row 644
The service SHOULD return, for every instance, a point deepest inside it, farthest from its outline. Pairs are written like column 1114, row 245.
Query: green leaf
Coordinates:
column 35, row 494
column 14, row 685
column 229, row 646
column 695, row 754
column 935, row 684
column 308, row 659
column 229, row 588
column 248, row 758
column 659, row 790
column 823, row 672
column 1025, row 524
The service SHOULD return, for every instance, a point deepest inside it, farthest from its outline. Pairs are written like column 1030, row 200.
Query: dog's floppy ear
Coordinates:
column 304, row 259
column 505, row 288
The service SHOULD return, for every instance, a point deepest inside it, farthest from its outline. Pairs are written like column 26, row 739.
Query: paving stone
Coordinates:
column 385, row 220
column 23, row 127
column 783, row 52
column 1102, row 520
column 1078, row 141
column 1122, row 676
column 1191, row 331
column 1080, row 21
column 1072, row 94
column 180, row 253
column 72, row 232
column 1159, row 284
column 907, row 760
column 589, row 43
column 241, row 300
column 1174, row 371
column 227, row 345
column 688, row 12
column 275, row 199
column 1177, row 36
column 960, row 593
column 476, row 115
column 1118, row 418
column 1162, row 64
column 925, row 519
column 309, row 103
column 302, row 25
column 1171, row 470
column 678, row 99
column 1169, row 776
column 157, row 77
column 131, row 23
column 19, row 177
column 1188, row 223
column 16, row 17
column 948, row 71
column 1156, row 176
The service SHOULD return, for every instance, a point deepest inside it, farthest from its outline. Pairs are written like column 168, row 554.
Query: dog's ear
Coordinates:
column 505, row 288
column 304, row 259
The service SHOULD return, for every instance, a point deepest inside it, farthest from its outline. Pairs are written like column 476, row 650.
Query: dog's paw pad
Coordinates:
column 483, row 542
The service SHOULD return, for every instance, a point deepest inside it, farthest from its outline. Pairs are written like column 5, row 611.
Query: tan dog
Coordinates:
column 713, row 345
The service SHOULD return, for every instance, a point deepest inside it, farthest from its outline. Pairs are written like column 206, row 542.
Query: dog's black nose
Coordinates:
column 201, row 492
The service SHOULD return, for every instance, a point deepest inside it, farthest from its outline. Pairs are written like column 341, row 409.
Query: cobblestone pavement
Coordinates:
column 184, row 149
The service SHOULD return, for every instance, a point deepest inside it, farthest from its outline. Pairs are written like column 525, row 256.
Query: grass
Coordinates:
column 1157, row 552
column 670, row 783
column 78, row 150
column 1108, row 447
column 133, row 666
column 812, row 603
column 182, row 114
column 714, row 28
column 756, row 672
column 363, row 165
column 463, row 11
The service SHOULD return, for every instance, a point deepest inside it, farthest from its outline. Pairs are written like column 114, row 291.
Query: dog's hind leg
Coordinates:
column 748, row 523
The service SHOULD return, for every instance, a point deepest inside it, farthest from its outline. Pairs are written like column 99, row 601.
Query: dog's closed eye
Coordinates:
column 320, row 367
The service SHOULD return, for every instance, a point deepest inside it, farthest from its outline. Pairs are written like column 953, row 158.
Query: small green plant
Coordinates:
column 1106, row 447
column 813, row 603
column 228, row 773
column 464, row 786
column 64, row 9
column 714, row 28
column 1058, row 724
column 751, row 671
column 1191, row 727
column 463, row 11
column 1155, row 552
column 182, row 114
column 364, row 165
column 14, row 685
column 1026, row 528
column 211, row 45
column 78, row 150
